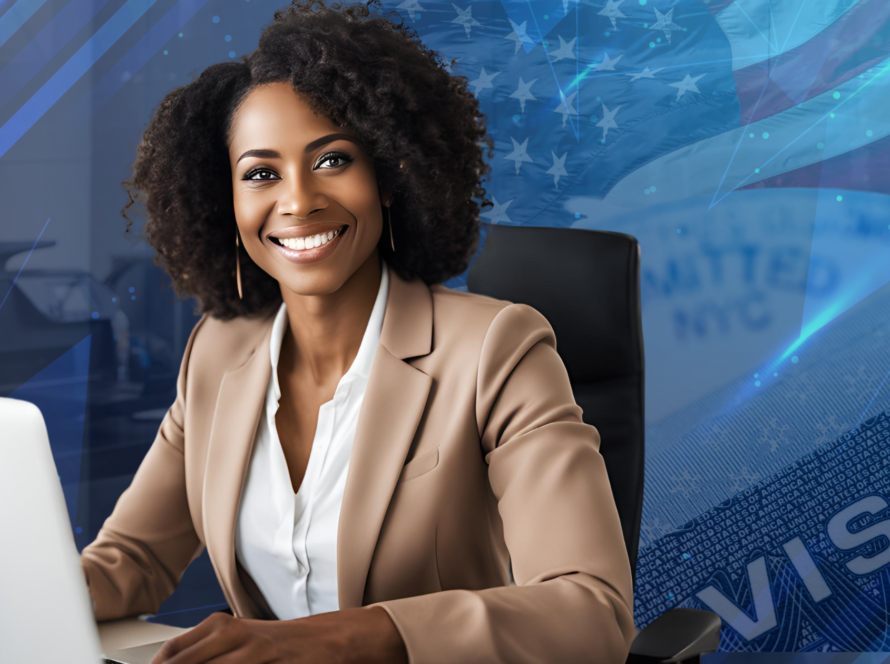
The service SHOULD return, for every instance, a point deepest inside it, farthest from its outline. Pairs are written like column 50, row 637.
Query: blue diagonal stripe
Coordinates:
column 141, row 52
column 15, row 17
column 51, row 39
column 79, row 63
column 24, row 263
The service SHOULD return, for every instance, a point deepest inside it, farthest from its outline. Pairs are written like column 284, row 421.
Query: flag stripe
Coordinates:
column 864, row 169
column 760, row 29
column 853, row 44
column 791, row 142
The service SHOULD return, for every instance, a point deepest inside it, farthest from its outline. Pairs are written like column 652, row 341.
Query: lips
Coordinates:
column 304, row 231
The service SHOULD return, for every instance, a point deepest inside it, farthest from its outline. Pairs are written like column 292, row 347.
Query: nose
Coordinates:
column 299, row 195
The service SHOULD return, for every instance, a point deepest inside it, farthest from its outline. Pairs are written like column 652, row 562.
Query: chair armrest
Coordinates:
column 676, row 636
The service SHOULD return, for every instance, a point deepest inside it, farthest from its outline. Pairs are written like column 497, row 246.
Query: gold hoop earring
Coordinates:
column 389, row 215
column 238, row 267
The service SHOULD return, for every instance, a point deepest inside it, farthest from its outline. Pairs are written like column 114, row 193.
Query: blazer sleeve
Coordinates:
column 145, row 545
column 573, row 598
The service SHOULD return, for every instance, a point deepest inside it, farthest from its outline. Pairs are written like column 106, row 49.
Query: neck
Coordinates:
column 324, row 332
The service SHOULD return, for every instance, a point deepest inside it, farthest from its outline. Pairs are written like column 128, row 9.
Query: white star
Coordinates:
column 483, row 82
column 465, row 18
column 558, row 168
column 523, row 92
column 607, row 64
column 498, row 214
column 565, row 107
column 520, row 37
column 411, row 6
column 518, row 155
column 686, row 85
column 608, row 121
column 665, row 23
column 646, row 73
column 611, row 10
column 564, row 50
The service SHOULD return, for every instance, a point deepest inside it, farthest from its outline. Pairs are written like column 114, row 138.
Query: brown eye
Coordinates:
column 335, row 156
column 249, row 175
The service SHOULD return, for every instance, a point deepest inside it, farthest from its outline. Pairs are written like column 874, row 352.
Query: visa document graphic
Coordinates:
column 797, row 562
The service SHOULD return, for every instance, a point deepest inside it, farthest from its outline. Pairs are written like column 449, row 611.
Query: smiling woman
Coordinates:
column 245, row 136
column 382, row 469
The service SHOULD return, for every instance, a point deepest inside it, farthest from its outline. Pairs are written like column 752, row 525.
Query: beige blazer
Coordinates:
column 469, row 453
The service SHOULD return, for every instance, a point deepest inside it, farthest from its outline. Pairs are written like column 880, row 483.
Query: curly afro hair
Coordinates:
column 420, row 126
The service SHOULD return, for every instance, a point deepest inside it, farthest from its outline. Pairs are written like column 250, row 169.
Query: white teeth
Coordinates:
column 310, row 242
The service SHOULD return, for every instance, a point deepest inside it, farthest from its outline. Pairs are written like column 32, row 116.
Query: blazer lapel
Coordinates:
column 239, row 407
column 394, row 401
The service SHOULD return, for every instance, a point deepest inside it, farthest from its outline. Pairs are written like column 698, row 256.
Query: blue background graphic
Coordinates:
column 744, row 143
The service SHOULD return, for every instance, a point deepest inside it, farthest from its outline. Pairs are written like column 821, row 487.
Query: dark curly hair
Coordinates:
column 421, row 127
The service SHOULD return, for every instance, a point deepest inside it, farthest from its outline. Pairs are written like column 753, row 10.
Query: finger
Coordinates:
column 215, row 644
column 215, row 621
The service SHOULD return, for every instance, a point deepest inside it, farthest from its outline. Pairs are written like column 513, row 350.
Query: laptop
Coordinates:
column 46, row 613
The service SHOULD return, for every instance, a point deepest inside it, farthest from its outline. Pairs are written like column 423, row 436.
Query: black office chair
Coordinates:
column 587, row 284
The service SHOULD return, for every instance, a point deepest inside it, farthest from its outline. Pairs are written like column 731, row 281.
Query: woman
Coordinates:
column 363, row 451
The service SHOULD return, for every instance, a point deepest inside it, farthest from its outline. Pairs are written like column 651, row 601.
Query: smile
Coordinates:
column 311, row 248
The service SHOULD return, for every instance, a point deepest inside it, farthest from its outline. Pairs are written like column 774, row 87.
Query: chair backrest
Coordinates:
column 587, row 284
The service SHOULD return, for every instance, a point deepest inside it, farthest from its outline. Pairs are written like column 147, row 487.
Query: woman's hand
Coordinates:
column 339, row 637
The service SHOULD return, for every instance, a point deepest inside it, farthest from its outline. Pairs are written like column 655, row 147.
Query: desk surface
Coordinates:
column 130, row 632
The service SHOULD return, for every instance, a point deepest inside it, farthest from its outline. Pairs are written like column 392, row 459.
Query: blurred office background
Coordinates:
column 745, row 143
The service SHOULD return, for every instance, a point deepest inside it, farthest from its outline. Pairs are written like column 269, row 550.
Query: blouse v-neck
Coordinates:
column 287, row 541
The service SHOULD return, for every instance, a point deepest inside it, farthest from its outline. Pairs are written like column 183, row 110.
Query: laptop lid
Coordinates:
column 45, row 610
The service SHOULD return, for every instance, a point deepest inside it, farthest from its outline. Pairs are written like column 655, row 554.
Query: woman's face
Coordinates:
column 291, row 176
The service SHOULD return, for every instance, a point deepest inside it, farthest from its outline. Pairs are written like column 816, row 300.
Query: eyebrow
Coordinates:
column 314, row 145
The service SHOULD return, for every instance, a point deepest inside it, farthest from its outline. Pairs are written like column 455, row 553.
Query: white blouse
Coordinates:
column 288, row 542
